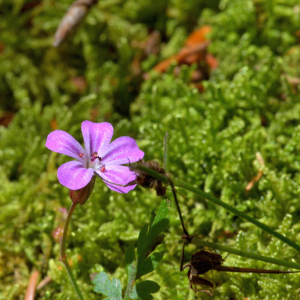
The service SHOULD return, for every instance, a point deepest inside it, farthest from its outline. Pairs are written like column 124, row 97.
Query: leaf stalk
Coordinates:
column 63, row 256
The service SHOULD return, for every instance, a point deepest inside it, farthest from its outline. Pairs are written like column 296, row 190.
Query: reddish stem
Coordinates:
column 32, row 285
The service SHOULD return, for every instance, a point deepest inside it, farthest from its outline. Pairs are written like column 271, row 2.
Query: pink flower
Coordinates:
column 99, row 158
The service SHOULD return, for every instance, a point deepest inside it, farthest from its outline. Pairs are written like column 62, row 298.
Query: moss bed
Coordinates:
column 248, row 104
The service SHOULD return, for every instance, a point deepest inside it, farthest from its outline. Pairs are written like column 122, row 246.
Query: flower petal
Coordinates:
column 73, row 175
column 119, row 175
column 62, row 142
column 123, row 150
column 96, row 136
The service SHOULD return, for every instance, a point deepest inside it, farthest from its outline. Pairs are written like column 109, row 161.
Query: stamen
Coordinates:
column 81, row 154
column 102, row 169
column 94, row 156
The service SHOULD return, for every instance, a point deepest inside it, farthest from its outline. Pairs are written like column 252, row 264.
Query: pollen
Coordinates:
column 81, row 154
column 102, row 169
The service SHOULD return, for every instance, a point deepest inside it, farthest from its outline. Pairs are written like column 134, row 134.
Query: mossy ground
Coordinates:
column 248, row 105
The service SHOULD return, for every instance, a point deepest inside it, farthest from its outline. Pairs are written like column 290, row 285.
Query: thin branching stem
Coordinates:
column 153, row 173
column 166, row 179
column 182, row 254
column 63, row 256
column 238, row 213
column 215, row 200
column 178, row 208
column 251, row 255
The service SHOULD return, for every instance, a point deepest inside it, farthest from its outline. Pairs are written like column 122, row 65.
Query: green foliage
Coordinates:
column 146, row 288
column 149, row 237
column 248, row 105
column 131, row 268
column 145, row 262
column 111, row 289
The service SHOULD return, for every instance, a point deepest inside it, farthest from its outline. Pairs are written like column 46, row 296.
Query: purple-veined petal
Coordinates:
column 73, row 175
column 119, row 175
column 123, row 150
column 96, row 136
column 62, row 142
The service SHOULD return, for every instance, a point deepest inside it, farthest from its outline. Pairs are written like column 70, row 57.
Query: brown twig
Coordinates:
column 30, row 292
column 76, row 12
column 259, row 174
column 44, row 282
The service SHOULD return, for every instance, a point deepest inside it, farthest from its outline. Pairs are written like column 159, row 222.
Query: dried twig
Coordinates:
column 259, row 174
column 30, row 292
column 76, row 12
column 44, row 282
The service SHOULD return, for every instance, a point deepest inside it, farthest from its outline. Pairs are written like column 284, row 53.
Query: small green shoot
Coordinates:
column 138, row 265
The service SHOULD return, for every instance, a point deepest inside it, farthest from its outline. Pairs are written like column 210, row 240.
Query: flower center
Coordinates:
column 95, row 162
column 95, row 156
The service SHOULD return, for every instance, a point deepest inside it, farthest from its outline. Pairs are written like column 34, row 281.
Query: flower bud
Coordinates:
column 82, row 195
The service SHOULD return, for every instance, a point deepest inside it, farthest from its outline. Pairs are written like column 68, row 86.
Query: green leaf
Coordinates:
column 149, row 238
column 145, row 288
column 162, row 212
column 111, row 289
column 150, row 263
column 142, row 290
column 131, row 267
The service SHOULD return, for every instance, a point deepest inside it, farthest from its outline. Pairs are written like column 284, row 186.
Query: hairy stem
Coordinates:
column 63, row 256
column 166, row 179
column 238, row 213
column 251, row 255
column 215, row 200
column 153, row 173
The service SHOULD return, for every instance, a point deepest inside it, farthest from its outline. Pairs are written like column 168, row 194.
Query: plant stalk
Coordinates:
column 238, row 213
column 178, row 209
column 63, row 256
column 251, row 255
column 167, row 179
column 215, row 200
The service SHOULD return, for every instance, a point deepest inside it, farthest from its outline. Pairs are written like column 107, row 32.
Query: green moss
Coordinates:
column 248, row 105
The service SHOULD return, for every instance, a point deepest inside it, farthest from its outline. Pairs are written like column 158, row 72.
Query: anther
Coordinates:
column 94, row 156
